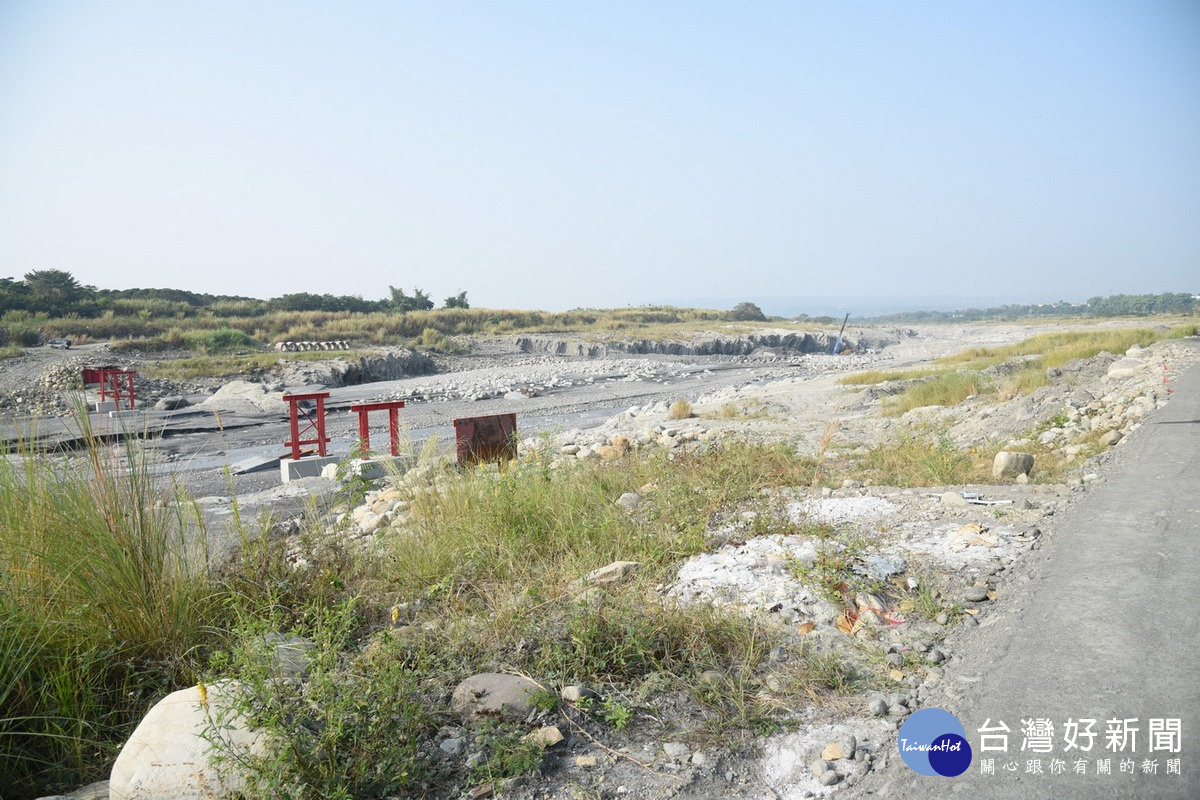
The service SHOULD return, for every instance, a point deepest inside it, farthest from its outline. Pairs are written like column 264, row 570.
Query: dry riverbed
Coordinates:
column 937, row 558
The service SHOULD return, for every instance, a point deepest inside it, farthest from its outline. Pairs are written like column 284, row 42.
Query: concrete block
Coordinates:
column 308, row 467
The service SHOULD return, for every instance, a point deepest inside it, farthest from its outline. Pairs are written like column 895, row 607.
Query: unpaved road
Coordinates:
column 1105, row 629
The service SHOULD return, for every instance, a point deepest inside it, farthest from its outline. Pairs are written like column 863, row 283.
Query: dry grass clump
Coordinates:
column 680, row 409
column 873, row 376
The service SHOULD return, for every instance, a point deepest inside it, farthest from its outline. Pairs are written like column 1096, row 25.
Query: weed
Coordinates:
column 927, row 601
column 544, row 700
column 829, row 672
column 352, row 729
column 616, row 714
column 1051, row 350
column 221, row 365
column 922, row 456
column 831, row 572
column 433, row 339
column 753, row 408
column 509, row 753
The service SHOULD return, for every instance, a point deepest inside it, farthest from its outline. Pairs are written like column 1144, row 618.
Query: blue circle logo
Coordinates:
column 933, row 742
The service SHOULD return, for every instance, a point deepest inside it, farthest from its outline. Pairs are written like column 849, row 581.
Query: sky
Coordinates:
column 558, row 155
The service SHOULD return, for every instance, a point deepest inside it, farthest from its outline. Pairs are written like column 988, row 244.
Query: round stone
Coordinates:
column 975, row 594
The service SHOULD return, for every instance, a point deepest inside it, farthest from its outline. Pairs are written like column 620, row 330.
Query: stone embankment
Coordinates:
column 710, row 344
column 388, row 366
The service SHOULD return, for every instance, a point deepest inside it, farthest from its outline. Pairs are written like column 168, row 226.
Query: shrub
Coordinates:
column 355, row 727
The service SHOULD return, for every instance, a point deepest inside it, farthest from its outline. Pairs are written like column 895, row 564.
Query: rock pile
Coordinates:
column 387, row 366
column 1105, row 395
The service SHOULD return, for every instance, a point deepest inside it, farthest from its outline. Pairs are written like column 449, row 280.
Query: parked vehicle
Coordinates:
column 59, row 344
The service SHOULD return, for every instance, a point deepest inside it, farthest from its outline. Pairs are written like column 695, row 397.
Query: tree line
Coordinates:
column 1117, row 305
column 58, row 293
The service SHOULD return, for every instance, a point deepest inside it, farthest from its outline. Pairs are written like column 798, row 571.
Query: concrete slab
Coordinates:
column 375, row 468
column 308, row 467
column 255, row 464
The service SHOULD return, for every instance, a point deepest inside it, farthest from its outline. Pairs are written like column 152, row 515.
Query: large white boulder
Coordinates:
column 168, row 755
column 1011, row 465
column 1126, row 367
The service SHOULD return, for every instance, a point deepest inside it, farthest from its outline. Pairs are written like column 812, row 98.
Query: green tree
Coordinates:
column 418, row 302
column 457, row 301
column 13, row 294
column 54, row 290
column 748, row 312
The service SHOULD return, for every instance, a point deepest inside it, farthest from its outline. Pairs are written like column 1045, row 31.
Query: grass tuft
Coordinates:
column 680, row 409
column 922, row 456
column 947, row 389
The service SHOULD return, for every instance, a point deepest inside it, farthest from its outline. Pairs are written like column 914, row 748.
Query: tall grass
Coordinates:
column 948, row 389
column 535, row 526
column 959, row 376
column 150, row 331
column 1057, row 348
column 873, row 376
column 103, row 604
column 922, row 456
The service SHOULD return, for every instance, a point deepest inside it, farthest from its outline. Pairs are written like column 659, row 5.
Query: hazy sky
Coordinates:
column 563, row 154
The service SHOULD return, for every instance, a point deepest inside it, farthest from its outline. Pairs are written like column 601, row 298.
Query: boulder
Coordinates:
column 629, row 501
column 843, row 748
column 494, row 694
column 171, row 403
column 545, row 737
column 1009, row 465
column 615, row 573
column 1126, row 367
column 168, row 755
column 246, row 397
column 952, row 499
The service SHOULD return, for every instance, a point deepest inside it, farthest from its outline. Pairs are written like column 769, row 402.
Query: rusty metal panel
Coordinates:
column 490, row 438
